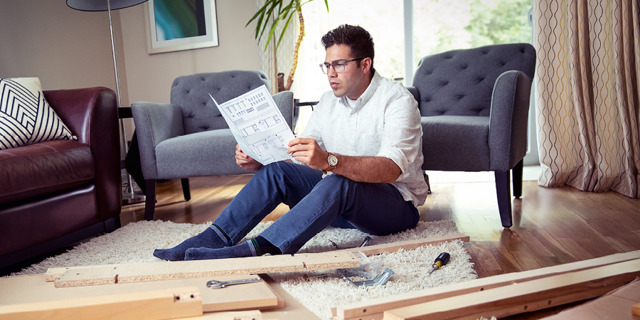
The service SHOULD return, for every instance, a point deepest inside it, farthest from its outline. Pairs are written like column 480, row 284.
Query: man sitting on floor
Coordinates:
column 358, row 165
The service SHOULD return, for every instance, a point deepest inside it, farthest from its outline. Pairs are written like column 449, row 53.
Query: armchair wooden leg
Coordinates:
column 517, row 179
column 150, row 201
column 503, row 190
column 185, row 189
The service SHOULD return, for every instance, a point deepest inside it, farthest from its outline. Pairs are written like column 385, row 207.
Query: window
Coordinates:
column 382, row 20
column 436, row 25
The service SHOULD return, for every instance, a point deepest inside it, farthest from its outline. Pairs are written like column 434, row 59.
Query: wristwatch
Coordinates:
column 333, row 162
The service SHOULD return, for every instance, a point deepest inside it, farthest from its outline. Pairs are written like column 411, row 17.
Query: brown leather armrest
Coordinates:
column 92, row 115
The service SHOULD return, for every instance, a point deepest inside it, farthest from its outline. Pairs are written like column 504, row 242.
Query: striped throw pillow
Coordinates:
column 25, row 115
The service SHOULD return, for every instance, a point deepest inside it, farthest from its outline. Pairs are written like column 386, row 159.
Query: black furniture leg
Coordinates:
column 150, row 201
column 426, row 179
column 517, row 179
column 503, row 191
column 185, row 189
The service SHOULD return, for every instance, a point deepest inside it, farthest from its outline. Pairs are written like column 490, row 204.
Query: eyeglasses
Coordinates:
column 338, row 65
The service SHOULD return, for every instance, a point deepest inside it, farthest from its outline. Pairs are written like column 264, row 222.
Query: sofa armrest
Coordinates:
column 508, row 119
column 155, row 122
column 92, row 115
column 285, row 103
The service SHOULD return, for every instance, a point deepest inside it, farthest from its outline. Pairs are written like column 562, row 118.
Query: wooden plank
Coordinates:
column 127, row 273
column 524, row 297
column 407, row 244
column 374, row 308
column 34, row 288
column 158, row 304
column 237, row 297
column 292, row 309
column 234, row 315
column 614, row 305
column 54, row 274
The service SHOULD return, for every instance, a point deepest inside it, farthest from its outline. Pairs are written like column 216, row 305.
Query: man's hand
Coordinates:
column 307, row 151
column 245, row 161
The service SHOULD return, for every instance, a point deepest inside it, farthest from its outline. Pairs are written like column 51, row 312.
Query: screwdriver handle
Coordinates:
column 441, row 260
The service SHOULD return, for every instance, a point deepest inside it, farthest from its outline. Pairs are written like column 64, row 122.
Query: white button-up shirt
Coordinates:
column 384, row 121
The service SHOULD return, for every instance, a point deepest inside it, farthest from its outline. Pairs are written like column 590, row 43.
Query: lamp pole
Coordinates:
column 128, row 196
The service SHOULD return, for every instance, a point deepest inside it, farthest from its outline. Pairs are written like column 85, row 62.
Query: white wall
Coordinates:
column 149, row 77
column 67, row 48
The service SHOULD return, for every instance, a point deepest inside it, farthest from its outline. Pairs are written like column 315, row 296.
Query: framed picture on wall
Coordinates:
column 174, row 25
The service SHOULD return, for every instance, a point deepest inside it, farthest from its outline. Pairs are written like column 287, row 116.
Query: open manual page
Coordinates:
column 257, row 125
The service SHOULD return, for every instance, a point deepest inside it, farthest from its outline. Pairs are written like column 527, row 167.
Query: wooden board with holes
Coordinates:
column 614, row 305
column 522, row 297
column 127, row 273
column 151, row 304
column 373, row 309
column 407, row 244
column 34, row 288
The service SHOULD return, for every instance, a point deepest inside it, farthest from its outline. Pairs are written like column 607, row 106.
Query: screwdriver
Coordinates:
column 440, row 261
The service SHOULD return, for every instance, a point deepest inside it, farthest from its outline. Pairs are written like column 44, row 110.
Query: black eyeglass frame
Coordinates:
column 325, row 67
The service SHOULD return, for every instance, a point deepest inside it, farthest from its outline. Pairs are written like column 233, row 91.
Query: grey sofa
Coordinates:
column 474, row 105
column 189, row 137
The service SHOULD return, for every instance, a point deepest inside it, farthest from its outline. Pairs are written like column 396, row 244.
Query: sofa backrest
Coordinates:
column 460, row 82
column 191, row 93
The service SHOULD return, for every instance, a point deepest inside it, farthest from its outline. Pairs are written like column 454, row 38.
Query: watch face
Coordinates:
column 333, row 160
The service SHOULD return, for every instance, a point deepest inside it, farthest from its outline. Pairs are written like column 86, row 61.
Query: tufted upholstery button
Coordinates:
column 444, row 82
column 464, row 67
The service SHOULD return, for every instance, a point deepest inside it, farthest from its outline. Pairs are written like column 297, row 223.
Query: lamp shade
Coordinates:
column 101, row 5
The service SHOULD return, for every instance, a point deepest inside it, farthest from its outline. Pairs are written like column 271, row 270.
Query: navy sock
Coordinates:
column 253, row 247
column 212, row 237
column 244, row 249
column 263, row 246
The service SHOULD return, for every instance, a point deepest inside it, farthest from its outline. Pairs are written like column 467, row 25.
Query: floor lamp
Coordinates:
column 129, row 196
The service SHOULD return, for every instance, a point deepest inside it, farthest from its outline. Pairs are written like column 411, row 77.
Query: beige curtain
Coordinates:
column 587, row 79
column 272, row 62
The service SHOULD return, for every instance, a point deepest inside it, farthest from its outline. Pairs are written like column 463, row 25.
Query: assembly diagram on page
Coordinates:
column 257, row 125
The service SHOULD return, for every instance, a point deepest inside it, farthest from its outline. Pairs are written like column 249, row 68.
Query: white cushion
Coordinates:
column 25, row 115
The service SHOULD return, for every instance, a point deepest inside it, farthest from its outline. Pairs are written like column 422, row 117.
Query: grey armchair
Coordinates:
column 474, row 105
column 189, row 137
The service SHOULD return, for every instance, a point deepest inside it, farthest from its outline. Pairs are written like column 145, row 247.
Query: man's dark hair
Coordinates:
column 356, row 37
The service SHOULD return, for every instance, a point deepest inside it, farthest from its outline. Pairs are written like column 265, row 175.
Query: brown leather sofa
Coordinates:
column 55, row 193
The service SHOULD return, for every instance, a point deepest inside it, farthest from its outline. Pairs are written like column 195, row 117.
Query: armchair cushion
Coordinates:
column 207, row 153
column 455, row 142
column 26, row 116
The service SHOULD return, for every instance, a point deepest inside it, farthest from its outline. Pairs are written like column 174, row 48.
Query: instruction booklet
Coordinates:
column 257, row 125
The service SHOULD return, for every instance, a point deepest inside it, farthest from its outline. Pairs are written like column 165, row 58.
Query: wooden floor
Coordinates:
column 551, row 225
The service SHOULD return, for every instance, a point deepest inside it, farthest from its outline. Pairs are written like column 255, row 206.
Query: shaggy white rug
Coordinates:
column 318, row 291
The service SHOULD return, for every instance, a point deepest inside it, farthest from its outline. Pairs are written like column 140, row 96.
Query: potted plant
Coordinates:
column 276, row 12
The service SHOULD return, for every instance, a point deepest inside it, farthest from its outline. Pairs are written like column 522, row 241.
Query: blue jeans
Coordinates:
column 374, row 208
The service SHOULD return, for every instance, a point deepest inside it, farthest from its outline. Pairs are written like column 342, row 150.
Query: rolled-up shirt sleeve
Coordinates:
column 402, row 133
